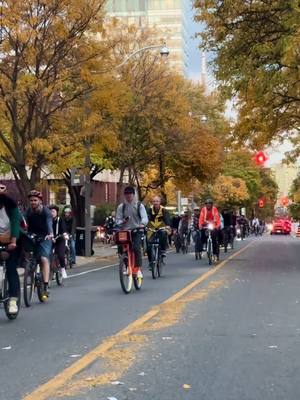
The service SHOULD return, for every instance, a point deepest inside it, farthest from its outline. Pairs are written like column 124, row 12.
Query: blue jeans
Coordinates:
column 73, row 250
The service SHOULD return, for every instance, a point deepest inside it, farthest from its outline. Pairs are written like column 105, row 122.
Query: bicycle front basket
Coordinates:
column 123, row 237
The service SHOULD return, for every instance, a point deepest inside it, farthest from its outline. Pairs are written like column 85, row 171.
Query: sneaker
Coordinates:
column 45, row 295
column 13, row 306
column 64, row 273
column 139, row 275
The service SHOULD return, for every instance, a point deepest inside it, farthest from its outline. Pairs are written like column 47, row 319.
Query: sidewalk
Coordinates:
column 102, row 252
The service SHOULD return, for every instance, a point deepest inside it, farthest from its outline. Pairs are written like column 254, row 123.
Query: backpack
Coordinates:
column 138, row 209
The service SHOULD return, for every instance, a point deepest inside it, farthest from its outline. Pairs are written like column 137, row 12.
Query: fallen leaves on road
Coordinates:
column 7, row 348
column 122, row 349
column 117, row 383
column 75, row 355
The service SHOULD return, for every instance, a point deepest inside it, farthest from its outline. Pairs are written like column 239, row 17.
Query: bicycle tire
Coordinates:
column 40, row 289
column 6, row 302
column 58, row 277
column 209, row 253
column 125, row 285
column 160, row 266
column 154, row 264
column 28, row 284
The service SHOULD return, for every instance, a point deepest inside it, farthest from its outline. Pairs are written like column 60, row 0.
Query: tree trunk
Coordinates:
column 25, row 183
column 162, row 174
column 120, row 186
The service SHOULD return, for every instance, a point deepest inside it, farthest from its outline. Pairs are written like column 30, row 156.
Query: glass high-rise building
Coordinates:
column 167, row 17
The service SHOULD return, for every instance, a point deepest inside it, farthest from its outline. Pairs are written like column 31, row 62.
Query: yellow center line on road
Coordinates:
column 49, row 389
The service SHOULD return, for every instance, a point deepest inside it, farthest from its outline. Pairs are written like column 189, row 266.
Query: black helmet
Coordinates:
column 129, row 190
column 54, row 207
column 209, row 201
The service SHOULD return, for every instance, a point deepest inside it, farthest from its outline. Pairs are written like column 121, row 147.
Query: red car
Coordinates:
column 282, row 226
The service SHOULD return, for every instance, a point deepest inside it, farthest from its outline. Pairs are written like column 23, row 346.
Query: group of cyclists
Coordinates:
column 131, row 215
column 16, row 229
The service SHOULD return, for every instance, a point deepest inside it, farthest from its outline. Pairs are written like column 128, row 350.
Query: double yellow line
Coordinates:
column 51, row 387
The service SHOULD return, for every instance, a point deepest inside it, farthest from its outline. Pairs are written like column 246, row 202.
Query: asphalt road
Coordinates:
column 234, row 336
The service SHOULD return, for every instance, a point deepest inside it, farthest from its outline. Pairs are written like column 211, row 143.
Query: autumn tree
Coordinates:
column 294, row 208
column 256, row 48
column 48, row 50
column 230, row 192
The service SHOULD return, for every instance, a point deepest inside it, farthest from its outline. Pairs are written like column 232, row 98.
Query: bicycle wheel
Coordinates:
column 68, row 258
column 160, row 265
column 6, row 302
column 209, row 252
column 58, row 277
column 154, row 264
column 40, row 287
column 28, row 284
column 126, row 278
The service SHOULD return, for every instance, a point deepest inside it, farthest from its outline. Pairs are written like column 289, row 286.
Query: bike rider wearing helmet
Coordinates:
column 71, row 231
column 210, row 214
column 184, row 226
column 60, row 231
column 39, row 220
column 158, row 218
column 131, row 215
column 9, row 235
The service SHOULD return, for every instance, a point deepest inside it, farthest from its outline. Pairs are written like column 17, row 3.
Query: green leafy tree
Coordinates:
column 256, row 47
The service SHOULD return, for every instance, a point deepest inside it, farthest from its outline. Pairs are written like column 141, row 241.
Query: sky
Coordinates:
column 194, row 51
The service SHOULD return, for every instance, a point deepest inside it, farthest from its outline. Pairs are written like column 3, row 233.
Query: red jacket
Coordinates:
column 203, row 217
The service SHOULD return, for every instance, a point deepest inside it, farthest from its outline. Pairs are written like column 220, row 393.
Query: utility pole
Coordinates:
column 87, row 201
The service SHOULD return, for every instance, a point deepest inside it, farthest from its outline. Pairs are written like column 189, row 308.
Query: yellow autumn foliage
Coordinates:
column 231, row 191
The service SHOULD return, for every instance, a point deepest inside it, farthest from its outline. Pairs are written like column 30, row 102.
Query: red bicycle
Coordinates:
column 128, row 272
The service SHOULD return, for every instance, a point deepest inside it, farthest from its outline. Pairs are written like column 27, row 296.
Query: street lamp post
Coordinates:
column 164, row 52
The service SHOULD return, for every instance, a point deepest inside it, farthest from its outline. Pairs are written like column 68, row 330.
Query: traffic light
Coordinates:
column 260, row 158
column 261, row 203
column 284, row 201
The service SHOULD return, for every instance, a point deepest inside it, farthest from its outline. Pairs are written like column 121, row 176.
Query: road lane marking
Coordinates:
column 48, row 389
column 91, row 270
column 100, row 268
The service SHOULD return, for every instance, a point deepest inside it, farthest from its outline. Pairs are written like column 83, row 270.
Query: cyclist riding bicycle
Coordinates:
column 131, row 215
column 59, row 231
column 39, row 220
column 9, row 235
column 210, row 214
column 185, row 227
column 228, row 230
column 195, row 230
column 71, row 229
column 158, row 218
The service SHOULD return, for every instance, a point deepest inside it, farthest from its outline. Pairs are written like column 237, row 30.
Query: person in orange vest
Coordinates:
column 210, row 214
